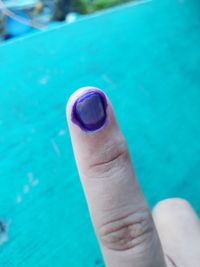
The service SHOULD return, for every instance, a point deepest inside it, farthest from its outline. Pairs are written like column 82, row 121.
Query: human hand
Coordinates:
column 128, row 234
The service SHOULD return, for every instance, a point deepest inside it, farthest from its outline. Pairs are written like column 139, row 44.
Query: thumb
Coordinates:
column 118, row 209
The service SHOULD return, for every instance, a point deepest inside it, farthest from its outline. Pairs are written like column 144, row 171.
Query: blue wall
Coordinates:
column 146, row 58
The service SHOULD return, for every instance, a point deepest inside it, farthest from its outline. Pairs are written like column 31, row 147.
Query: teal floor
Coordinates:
column 146, row 57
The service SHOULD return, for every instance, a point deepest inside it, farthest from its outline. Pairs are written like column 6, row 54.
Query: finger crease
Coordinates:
column 111, row 160
column 171, row 261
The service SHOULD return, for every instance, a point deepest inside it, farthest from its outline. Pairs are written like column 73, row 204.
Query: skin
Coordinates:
column 128, row 233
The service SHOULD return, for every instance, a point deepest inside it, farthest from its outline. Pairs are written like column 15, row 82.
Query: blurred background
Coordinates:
column 145, row 55
column 19, row 17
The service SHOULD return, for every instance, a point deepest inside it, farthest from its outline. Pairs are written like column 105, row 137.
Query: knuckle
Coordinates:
column 128, row 232
column 112, row 157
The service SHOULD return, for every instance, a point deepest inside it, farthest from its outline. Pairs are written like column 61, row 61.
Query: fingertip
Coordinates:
column 73, row 97
column 87, row 109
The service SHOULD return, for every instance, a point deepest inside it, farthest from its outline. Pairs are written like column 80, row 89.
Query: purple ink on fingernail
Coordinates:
column 89, row 110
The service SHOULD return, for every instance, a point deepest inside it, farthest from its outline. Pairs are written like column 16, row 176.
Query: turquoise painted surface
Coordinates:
column 146, row 57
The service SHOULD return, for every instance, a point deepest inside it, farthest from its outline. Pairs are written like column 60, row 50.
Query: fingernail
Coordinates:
column 89, row 111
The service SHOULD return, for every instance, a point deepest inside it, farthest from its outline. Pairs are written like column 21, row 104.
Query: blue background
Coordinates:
column 146, row 57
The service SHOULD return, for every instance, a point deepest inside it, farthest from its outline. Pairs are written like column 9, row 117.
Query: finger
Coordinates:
column 119, row 212
column 179, row 230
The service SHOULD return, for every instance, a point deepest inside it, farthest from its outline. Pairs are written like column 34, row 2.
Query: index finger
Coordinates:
column 118, row 209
